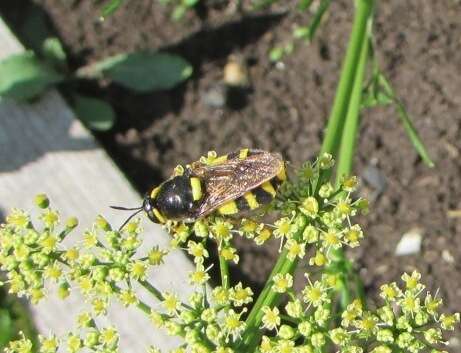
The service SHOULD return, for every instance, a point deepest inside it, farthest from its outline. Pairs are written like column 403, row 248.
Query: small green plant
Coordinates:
column 14, row 320
column 315, row 220
column 25, row 76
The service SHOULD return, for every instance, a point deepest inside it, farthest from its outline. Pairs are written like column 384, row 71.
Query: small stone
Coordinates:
column 215, row 97
column 410, row 243
column 375, row 178
column 235, row 73
column 447, row 256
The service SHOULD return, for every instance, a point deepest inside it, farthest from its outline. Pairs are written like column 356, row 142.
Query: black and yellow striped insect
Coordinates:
column 238, row 182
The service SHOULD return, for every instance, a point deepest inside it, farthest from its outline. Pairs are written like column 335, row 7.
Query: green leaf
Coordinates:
column 109, row 8
column 95, row 113
column 141, row 71
column 413, row 135
column 53, row 51
column 178, row 12
column 303, row 5
column 323, row 7
column 23, row 76
column 276, row 54
column 406, row 121
column 6, row 327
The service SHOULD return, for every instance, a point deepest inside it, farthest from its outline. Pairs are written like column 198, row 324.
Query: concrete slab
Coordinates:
column 43, row 148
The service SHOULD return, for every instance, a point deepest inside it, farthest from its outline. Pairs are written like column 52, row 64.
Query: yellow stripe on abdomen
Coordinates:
column 251, row 200
column 196, row 187
column 243, row 153
column 229, row 208
column 282, row 175
column 267, row 187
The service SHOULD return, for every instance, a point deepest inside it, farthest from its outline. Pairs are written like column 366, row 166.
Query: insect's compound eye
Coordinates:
column 174, row 199
column 151, row 210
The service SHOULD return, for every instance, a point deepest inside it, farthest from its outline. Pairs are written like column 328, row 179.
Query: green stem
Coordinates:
column 224, row 269
column 348, row 73
column 348, row 143
column 324, row 5
column 151, row 289
column 349, row 134
column 266, row 298
column 343, row 122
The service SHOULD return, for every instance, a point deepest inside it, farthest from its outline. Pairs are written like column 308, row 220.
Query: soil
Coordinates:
column 285, row 108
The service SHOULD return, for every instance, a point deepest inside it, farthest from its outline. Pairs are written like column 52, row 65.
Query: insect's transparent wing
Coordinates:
column 231, row 179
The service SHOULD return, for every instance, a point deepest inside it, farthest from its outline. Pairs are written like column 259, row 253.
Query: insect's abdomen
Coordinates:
column 255, row 198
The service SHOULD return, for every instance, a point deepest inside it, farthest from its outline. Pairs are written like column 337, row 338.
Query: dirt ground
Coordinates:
column 285, row 109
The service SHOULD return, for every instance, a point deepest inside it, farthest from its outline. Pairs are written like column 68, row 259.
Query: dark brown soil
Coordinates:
column 285, row 110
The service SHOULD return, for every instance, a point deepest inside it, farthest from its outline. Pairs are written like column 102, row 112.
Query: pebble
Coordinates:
column 447, row 256
column 410, row 243
column 235, row 73
column 215, row 97
column 375, row 178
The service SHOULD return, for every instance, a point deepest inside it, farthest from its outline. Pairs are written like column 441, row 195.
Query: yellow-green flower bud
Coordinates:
column 318, row 340
column 71, row 223
column 339, row 336
column 102, row 224
column 286, row 332
column 172, row 328
column 405, row 339
column 326, row 161
column 385, row 335
column 187, row 316
column 421, row 318
column 192, row 336
column 310, row 207
column 42, row 201
column 64, row 290
column 201, row 229
column 326, row 190
column 305, row 328
column 91, row 339
column 386, row 314
column 208, row 315
column 294, row 308
column 213, row 332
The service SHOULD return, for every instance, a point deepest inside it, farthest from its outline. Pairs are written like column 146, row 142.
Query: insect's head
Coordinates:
column 172, row 200
column 149, row 206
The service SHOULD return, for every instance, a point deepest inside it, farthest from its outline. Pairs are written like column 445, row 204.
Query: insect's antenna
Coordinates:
column 129, row 218
column 137, row 209
column 125, row 208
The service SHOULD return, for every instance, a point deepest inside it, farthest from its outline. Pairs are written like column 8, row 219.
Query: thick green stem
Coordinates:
column 348, row 73
column 348, row 143
column 349, row 135
column 267, row 298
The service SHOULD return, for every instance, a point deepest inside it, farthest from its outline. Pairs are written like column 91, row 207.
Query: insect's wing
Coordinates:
column 234, row 177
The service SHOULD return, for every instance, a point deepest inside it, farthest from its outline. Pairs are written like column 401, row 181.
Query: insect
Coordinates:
column 240, row 181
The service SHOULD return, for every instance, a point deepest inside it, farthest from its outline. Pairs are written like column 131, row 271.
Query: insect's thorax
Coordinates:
column 177, row 198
